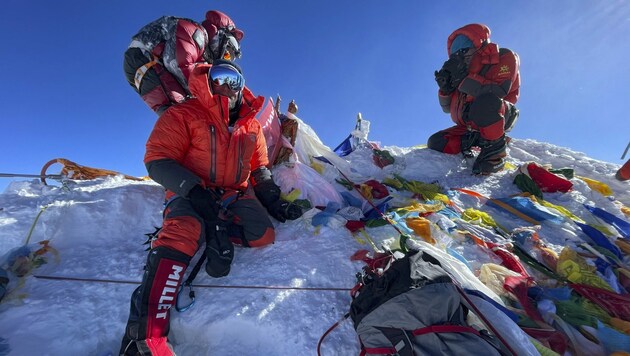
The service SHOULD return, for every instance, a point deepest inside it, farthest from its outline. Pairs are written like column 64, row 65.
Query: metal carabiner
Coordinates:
column 191, row 295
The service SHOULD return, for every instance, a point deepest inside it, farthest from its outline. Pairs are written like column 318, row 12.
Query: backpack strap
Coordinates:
column 378, row 351
column 448, row 328
column 486, row 67
column 445, row 329
column 496, row 341
column 195, row 270
column 140, row 72
column 188, row 283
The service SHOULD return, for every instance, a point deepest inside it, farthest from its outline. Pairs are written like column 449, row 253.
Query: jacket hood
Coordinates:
column 200, row 88
column 216, row 20
column 478, row 34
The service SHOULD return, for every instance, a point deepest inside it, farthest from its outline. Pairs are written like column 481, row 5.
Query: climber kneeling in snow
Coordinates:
column 478, row 85
column 204, row 151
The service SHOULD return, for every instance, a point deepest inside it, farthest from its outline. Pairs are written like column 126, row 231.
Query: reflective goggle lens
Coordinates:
column 224, row 74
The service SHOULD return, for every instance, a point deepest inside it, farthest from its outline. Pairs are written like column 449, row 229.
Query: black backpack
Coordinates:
column 414, row 308
column 161, row 56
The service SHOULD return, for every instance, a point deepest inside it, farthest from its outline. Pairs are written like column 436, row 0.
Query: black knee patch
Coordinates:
column 236, row 232
column 485, row 110
column 437, row 141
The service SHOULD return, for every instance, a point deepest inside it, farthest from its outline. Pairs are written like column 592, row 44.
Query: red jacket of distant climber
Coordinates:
column 192, row 141
column 491, row 70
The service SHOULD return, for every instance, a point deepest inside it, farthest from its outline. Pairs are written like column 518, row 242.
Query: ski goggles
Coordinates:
column 238, row 34
column 231, row 49
column 460, row 43
column 225, row 74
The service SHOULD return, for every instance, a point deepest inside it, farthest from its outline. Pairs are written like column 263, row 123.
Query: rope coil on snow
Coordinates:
column 72, row 170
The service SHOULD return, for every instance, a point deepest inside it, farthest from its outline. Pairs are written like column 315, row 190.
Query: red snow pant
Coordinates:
column 182, row 228
column 488, row 117
column 178, row 241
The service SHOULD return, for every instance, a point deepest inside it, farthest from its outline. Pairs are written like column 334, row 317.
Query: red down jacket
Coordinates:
column 191, row 142
column 491, row 70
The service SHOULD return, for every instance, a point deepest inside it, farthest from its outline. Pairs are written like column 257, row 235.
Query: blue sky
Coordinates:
column 64, row 93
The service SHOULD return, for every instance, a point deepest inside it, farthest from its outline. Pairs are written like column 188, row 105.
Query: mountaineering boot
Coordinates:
column 490, row 159
column 148, row 324
column 219, row 250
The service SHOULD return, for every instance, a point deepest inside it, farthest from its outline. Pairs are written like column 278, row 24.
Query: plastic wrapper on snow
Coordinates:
column 21, row 260
column 308, row 182
column 308, row 145
column 509, row 330
column 455, row 269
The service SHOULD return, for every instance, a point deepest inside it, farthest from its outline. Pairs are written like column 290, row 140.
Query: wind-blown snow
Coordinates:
column 97, row 228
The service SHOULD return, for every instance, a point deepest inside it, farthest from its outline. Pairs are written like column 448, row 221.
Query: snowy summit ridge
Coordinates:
column 277, row 300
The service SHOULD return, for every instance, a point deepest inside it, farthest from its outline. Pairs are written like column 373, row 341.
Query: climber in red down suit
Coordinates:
column 478, row 85
column 205, row 151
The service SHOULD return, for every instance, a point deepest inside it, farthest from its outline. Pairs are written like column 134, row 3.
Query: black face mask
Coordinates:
column 236, row 109
column 460, row 55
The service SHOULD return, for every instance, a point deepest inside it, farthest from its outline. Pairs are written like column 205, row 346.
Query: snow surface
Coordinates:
column 97, row 228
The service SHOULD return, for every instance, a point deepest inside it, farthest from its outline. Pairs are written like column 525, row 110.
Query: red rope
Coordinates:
column 330, row 329
column 94, row 280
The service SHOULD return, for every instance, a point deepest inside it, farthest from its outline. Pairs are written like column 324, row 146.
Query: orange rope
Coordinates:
column 72, row 170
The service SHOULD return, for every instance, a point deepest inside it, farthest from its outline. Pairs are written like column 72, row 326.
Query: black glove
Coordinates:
column 458, row 68
column 219, row 250
column 443, row 79
column 205, row 202
column 282, row 210
column 453, row 71
column 268, row 193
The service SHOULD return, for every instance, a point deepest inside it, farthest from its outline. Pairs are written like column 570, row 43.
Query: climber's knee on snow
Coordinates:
column 486, row 113
column 182, row 228
column 252, row 223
